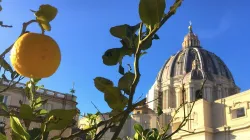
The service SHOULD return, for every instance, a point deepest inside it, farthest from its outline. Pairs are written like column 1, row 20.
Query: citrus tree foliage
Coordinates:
column 57, row 119
column 135, row 41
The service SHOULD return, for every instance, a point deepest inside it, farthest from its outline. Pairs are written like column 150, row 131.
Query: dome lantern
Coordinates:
column 190, row 40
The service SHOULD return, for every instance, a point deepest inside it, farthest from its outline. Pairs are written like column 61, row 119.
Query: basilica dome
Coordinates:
column 194, row 61
column 188, row 68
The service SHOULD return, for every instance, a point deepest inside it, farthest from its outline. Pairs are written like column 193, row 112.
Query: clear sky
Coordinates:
column 81, row 28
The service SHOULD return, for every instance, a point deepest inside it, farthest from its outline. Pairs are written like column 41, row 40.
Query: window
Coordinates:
column 3, row 99
column 240, row 112
column 237, row 113
column 2, row 125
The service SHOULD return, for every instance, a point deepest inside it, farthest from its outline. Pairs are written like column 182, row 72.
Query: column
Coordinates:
column 164, row 101
column 191, row 94
column 219, row 93
column 177, row 93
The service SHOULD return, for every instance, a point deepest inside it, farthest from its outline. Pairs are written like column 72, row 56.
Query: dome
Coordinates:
column 186, row 70
column 194, row 61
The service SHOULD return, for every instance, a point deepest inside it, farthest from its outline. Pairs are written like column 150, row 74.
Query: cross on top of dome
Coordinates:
column 190, row 27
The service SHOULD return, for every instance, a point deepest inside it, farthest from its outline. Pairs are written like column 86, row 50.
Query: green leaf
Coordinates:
column 115, row 99
column 4, row 106
column 175, row 6
column 43, row 112
column 151, row 11
column 2, row 136
column 46, row 13
column 159, row 111
column 155, row 133
column 121, row 70
column 138, row 128
column 146, row 45
column 102, row 83
column 121, row 31
column 135, row 28
column 126, row 51
column 156, row 37
column 35, row 81
column 39, row 102
column 137, row 136
column 39, row 87
column 26, row 112
column 126, row 42
column 35, row 132
column 114, row 113
column 27, row 91
column 62, row 118
column 17, row 127
column 43, row 127
column 146, row 133
column 15, row 136
column 111, row 57
column 143, row 53
column 5, row 65
column 126, row 81
column 45, row 25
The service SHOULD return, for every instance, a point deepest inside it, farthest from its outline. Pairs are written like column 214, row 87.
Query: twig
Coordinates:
column 104, row 122
column 165, row 18
column 98, row 110
column 133, row 86
column 7, row 26
column 184, row 121
column 139, row 98
column 25, row 25
column 103, row 131
column 66, row 129
column 10, row 82
column 187, row 131
column 131, row 107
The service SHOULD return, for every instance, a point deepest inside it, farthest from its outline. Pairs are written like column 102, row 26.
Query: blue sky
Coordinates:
column 81, row 28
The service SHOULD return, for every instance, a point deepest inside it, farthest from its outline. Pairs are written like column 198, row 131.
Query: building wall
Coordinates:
column 217, row 120
column 55, row 101
column 208, row 120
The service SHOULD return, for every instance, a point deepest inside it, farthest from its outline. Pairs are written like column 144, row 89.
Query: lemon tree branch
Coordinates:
column 25, row 25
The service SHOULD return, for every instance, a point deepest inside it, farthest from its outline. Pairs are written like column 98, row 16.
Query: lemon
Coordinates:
column 35, row 55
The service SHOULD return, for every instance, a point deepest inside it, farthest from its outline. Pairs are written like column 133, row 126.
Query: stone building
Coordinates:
column 215, row 115
column 221, row 111
column 15, row 94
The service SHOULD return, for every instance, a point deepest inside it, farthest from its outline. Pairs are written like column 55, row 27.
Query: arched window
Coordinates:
column 198, row 94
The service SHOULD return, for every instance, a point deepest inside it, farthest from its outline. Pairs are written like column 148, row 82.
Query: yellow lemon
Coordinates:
column 35, row 55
